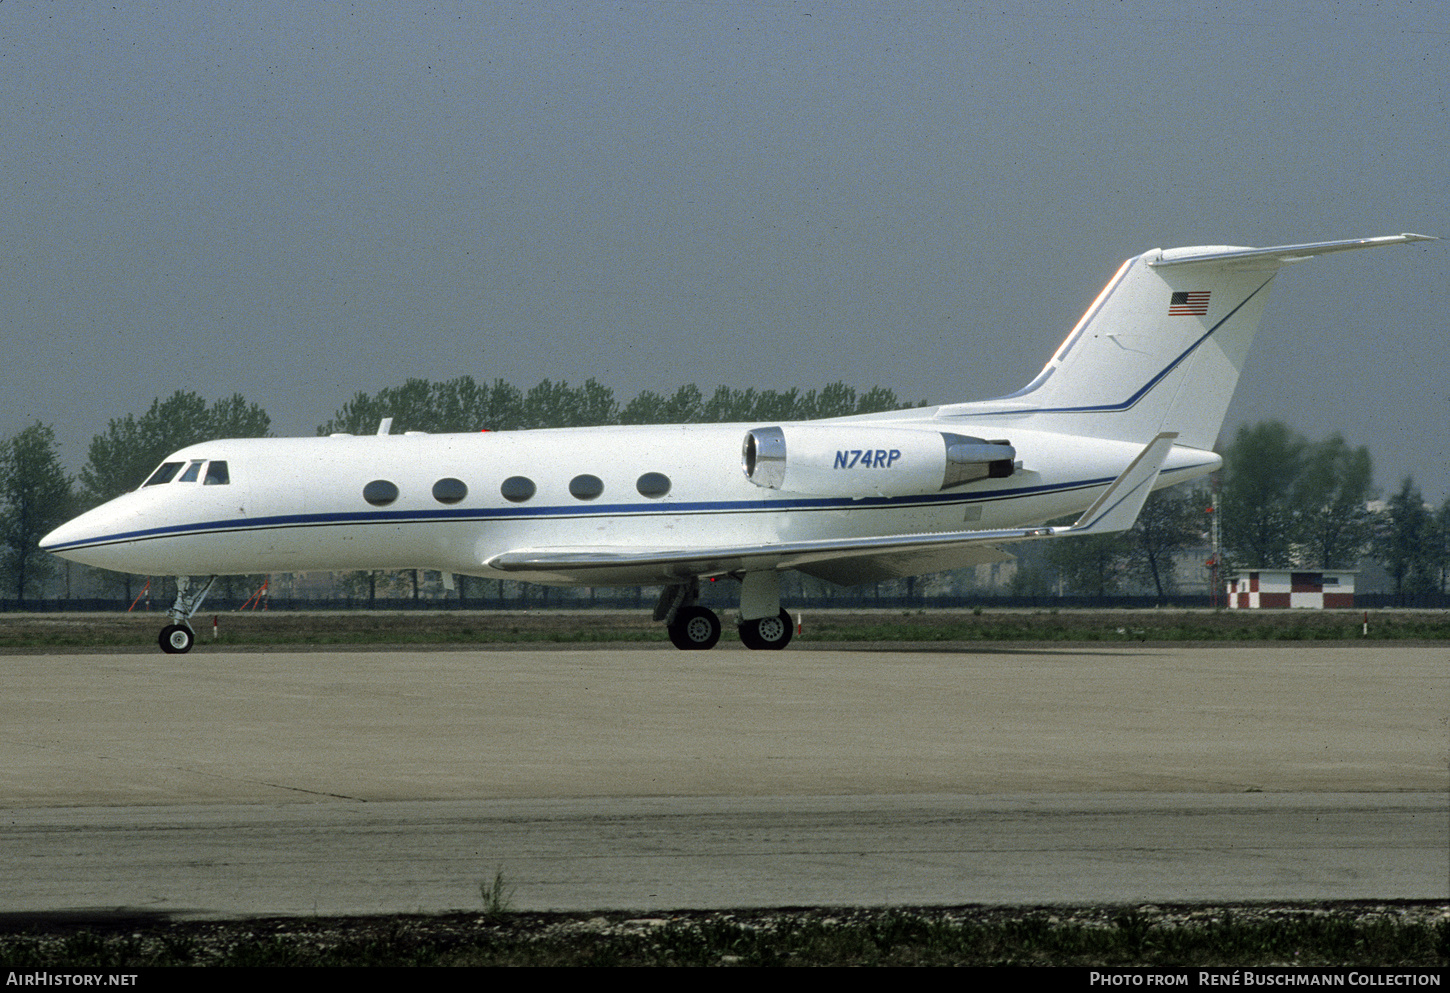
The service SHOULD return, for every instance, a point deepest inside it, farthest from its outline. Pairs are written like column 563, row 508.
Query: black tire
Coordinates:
column 767, row 633
column 695, row 629
column 176, row 639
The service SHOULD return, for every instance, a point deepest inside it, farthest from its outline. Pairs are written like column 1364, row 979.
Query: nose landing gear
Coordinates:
column 178, row 636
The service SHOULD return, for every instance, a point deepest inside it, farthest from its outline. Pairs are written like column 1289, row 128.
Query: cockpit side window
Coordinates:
column 216, row 474
column 192, row 471
column 165, row 474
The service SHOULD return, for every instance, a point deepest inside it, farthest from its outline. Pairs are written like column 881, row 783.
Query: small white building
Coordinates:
column 1285, row 588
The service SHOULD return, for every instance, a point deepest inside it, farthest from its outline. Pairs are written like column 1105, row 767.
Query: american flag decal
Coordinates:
column 1188, row 303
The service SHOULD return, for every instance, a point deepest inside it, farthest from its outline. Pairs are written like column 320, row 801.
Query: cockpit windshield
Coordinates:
column 165, row 474
column 216, row 473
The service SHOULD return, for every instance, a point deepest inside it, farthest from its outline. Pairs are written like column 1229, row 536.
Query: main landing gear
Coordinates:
column 178, row 636
column 695, row 628
column 767, row 633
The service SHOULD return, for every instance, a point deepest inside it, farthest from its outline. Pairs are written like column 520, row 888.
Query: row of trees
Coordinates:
column 1284, row 500
column 1290, row 501
column 1414, row 542
column 465, row 405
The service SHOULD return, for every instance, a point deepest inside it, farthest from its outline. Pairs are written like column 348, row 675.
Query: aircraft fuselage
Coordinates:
column 301, row 504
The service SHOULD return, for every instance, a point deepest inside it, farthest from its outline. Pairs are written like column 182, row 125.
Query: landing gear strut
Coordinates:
column 178, row 636
column 764, row 626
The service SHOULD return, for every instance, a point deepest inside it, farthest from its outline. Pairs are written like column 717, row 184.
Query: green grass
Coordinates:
column 1122, row 626
column 1184, row 936
column 323, row 628
column 497, row 896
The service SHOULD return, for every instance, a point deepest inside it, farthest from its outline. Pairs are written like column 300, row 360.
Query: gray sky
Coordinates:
column 299, row 201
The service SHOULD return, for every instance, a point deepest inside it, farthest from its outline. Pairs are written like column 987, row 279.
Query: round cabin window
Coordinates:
column 517, row 489
column 586, row 487
column 653, row 485
column 449, row 490
column 380, row 493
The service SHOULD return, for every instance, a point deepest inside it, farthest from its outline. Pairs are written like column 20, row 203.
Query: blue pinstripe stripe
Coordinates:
column 568, row 512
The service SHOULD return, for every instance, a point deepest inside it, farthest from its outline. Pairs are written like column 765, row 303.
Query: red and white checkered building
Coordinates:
column 1282, row 588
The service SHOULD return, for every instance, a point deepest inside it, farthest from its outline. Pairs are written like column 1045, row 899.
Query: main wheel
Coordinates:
column 767, row 633
column 695, row 628
column 176, row 639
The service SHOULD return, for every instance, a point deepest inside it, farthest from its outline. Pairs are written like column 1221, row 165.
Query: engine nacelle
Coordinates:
column 851, row 461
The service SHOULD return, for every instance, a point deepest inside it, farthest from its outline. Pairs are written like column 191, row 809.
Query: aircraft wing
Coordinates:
column 839, row 560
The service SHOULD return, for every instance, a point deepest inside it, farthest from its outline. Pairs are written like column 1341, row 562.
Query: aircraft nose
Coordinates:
column 72, row 539
column 105, row 536
column 69, row 534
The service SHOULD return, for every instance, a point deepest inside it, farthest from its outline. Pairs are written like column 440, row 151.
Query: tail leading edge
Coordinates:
column 1162, row 346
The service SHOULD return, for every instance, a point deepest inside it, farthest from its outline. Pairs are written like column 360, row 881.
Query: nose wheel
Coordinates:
column 176, row 640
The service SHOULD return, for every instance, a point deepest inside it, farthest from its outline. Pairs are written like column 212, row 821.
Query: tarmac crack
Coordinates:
column 275, row 786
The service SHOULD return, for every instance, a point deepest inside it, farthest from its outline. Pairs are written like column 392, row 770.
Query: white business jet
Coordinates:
column 1131, row 401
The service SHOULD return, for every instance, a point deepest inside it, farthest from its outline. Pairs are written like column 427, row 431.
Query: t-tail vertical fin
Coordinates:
column 1162, row 346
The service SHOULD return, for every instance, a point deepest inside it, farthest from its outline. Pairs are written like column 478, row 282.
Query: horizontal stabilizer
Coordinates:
column 1280, row 254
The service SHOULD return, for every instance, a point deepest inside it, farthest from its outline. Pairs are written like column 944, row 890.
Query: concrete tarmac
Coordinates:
column 228, row 782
